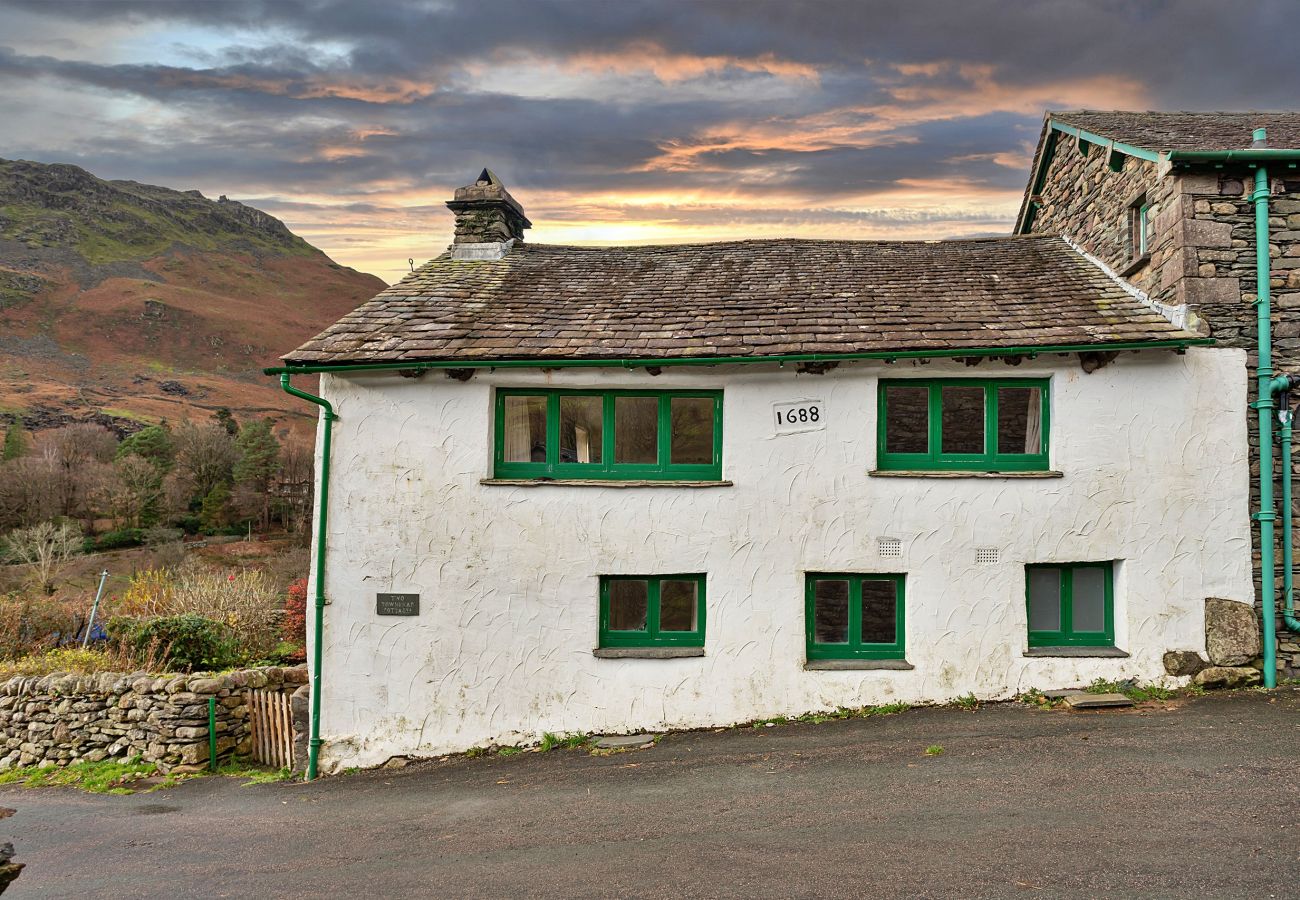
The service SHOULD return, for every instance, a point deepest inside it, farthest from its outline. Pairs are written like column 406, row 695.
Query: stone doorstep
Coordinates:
column 624, row 741
column 1097, row 701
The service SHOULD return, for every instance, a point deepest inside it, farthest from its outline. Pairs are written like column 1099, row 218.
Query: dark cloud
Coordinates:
column 756, row 115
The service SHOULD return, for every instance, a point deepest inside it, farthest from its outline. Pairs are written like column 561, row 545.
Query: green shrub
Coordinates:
column 114, row 540
column 186, row 642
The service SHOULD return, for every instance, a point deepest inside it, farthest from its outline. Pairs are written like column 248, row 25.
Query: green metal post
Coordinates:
column 212, row 734
column 322, row 513
column 1264, row 405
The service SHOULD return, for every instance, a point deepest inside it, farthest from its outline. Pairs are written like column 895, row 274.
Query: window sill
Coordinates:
column 854, row 665
column 646, row 652
column 1077, row 652
column 1135, row 265
column 944, row 473
column 594, row 482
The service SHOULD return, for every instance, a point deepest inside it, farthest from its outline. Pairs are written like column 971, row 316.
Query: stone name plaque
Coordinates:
column 397, row 604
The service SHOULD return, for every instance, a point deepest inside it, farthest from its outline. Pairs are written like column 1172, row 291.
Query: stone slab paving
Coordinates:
column 1097, row 701
column 624, row 741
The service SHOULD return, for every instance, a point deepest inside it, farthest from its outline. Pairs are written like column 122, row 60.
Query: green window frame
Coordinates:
column 1066, row 635
column 992, row 457
column 607, row 468
column 652, row 634
column 854, row 647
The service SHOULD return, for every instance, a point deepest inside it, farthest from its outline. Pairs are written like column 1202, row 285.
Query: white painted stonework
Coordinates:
column 1153, row 451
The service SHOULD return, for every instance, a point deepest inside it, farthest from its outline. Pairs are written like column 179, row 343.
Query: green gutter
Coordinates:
column 1252, row 155
column 322, row 514
column 653, row 363
column 1098, row 140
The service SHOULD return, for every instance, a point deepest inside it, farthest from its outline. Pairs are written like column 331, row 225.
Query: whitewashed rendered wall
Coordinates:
column 1152, row 447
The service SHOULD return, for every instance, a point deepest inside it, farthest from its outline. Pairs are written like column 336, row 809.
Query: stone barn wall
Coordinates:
column 1202, row 254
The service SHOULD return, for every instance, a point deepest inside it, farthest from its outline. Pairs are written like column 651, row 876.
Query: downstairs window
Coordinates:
column 652, row 610
column 854, row 616
column 1071, row 605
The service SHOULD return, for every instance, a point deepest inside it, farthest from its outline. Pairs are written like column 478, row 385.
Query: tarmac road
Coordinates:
column 1198, row 798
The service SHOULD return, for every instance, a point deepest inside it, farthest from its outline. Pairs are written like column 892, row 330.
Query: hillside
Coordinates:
column 127, row 303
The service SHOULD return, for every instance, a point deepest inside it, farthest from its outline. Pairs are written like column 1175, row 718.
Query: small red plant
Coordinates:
column 295, row 612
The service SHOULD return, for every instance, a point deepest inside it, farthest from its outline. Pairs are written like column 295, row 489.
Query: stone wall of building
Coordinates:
column 1202, row 255
column 163, row 719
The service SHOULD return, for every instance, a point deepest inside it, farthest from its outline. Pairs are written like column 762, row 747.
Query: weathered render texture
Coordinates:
column 1153, row 453
column 1202, row 251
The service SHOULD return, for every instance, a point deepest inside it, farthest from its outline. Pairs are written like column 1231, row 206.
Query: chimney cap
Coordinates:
column 486, row 192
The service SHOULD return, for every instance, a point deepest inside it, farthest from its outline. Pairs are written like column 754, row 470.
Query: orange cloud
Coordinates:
column 389, row 90
column 669, row 67
column 912, row 104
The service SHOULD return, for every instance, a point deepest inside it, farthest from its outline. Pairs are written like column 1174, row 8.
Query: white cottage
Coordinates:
column 578, row 489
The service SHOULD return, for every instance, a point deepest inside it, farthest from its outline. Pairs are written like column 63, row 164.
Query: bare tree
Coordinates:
column 136, row 490
column 29, row 489
column 77, row 454
column 45, row 550
column 205, row 456
column 294, row 485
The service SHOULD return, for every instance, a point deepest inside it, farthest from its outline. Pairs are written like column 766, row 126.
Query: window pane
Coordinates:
column 906, row 420
column 636, row 430
column 580, row 429
column 628, row 602
column 831, row 612
column 692, row 430
column 525, row 429
column 878, row 612
column 1088, row 598
column 963, row 420
column 1020, row 420
column 677, row 606
column 1044, row 599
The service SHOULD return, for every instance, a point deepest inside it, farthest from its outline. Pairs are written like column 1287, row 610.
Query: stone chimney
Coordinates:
column 488, row 219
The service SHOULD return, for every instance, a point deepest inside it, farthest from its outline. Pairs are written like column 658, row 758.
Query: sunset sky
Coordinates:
column 611, row 122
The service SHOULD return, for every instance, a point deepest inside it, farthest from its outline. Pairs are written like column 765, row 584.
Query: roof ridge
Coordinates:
column 984, row 239
column 1178, row 315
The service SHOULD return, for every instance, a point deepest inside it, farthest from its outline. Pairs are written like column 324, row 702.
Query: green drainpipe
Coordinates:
column 322, row 513
column 1264, row 405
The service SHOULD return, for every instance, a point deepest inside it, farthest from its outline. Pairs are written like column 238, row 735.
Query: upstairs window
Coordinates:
column 1139, row 226
column 962, row 424
column 609, row 435
column 1071, row 605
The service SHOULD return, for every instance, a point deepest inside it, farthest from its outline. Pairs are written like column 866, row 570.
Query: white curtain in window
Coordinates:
column 583, row 440
column 1034, row 423
column 518, row 438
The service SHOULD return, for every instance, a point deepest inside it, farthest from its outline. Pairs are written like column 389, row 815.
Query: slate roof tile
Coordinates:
column 743, row 298
column 1158, row 131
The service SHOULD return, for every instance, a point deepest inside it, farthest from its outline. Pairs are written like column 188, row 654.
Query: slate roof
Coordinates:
column 744, row 298
column 1157, row 131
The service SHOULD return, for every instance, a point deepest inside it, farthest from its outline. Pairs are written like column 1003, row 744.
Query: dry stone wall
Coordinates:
column 1202, row 254
column 64, row 718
